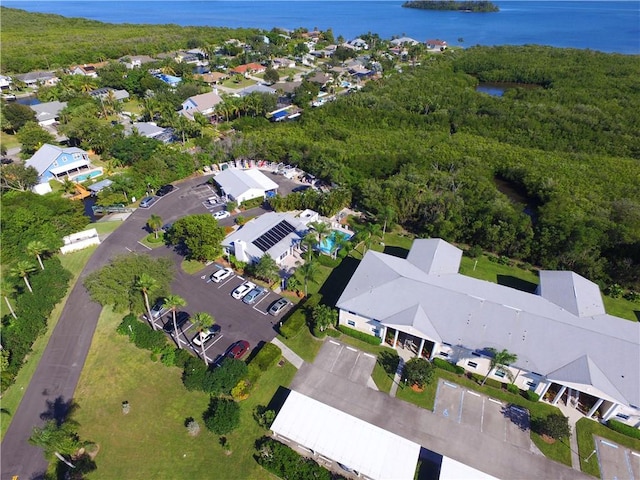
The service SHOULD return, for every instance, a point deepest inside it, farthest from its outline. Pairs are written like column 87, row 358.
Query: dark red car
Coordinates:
column 238, row 349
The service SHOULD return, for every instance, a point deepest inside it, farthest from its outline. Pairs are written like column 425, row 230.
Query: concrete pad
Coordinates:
column 517, row 428
column 472, row 408
column 449, row 401
column 616, row 461
column 493, row 422
column 345, row 361
column 328, row 355
column 362, row 369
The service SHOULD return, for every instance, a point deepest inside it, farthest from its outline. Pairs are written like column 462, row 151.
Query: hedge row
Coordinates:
column 298, row 318
column 624, row 429
column 141, row 334
column 365, row 337
column 266, row 358
column 448, row 366
column 284, row 462
column 327, row 261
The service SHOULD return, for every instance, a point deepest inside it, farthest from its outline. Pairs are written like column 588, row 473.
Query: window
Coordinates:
column 531, row 384
column 351, row 323
column 500, row 373
column 622, row 416
column 472, row 364
column 476, row 354
column 443, row 354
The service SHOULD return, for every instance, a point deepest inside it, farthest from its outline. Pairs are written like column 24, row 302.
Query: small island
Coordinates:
column 464, row 6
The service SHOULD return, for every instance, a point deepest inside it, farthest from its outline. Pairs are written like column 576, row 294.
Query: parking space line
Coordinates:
column 352, row 349
column 354, row 365
column 435, row 402
column 211, row 344
column 452, row 385
column 460, row 409
column 369, row 355
column 335, row 343
column 482, row 416
column 635, row 453
column 495, row 401
column 231, row 278
column 474, row 393
column 148, row 248
column 609, row 444
column 629, row 466
column 335, row 360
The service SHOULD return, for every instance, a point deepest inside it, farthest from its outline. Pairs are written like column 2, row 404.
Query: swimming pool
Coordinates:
column 328, row 244
column 86, row 176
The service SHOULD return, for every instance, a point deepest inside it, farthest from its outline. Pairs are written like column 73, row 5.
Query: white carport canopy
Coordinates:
column 68, row 167
column 352, row 442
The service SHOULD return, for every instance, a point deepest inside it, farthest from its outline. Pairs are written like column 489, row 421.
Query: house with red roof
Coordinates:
column 436, row 44
column 249, row 68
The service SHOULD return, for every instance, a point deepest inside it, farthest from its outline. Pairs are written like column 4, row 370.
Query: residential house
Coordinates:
column 403, row 41
column 170, row 80
column 189, row 58
column 5, row 82
column 56, row 163
column 282, row 63
column 321, row 79
column 248, row 69
column 568, row 348
column 358, row 44
column 212, row 78
column 37, row 78
column 204, row 103
column 258, row 88
column 276, row 234
column 151, row 130
column 135, row 61
column 242, row 185
column 87, row 69
column 105, row 93
column 48, row 113
column 436, row 44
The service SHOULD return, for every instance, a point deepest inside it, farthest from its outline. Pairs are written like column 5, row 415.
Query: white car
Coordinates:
column 205, row 336
column 221, row 275
column 243, row 289
column 221, row 214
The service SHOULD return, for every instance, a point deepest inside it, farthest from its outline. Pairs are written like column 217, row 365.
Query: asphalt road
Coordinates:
column 54, row 381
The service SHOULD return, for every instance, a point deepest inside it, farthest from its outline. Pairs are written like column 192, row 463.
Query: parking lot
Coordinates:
column 346, row 362
column 237, row 320
column 508, row 423
column 616, row 461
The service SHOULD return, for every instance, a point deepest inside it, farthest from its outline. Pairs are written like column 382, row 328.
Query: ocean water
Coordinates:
column 606, row 25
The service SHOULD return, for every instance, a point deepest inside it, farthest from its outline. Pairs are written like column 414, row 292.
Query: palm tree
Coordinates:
column 387, row 214
column 172, row 302
column 37, row 248
column 155, row 223
column 201, row 321
column 369, row 232
column 309, row 241
column 308, row 271
column 146, row 283
column 322, row 230
column 500, row 361
column 22, row 269
column 7, row 290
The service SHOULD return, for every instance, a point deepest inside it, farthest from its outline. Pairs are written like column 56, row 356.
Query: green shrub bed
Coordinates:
column 365, row 337
column 448, row 366
column 624, row 429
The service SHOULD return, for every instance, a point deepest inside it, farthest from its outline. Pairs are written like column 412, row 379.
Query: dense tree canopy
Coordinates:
column 199, row 236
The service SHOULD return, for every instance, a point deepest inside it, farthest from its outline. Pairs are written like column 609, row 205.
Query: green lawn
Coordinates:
column 622, row 308
column 8, row 140
column 246, row 82
column 104, row 228
column 304, row 344
column 151, row 241
column 586, row 429
column 382, row 379
column 192, row 266
column 152, row 441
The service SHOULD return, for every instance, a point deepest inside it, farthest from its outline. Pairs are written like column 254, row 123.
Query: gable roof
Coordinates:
column 236, row 182
column 254, row 67
column 435, row 256
column 48, row 110
column 572, row 292
column 478, row 314
column 47, row 154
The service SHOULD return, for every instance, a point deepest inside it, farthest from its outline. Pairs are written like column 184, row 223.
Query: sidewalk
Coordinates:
column 289, row 354
column 397, row 378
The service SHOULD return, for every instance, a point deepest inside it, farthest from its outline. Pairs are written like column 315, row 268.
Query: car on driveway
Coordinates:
column 221, row 275
column 278, row 306
column 181, row 319
column 206, row 335
column 253, row 295
column 301, row 188
column 243, row 289
column 158, row 309
column 146, row 202
column 221, row 214
column 238, row 349
column 164, row 190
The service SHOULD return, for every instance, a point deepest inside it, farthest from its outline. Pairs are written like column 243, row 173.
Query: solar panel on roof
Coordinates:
column 268, row 239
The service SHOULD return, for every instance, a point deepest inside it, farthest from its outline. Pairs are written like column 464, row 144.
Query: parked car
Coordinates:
column 238, row 349
column 167, row 226
column 206, row 335
column 6, row 161
column 243, row 289
column 146, row 202
column 158, row 309
column 221, row 214
column 221, row 275
column 253, row 295
column 164, row 190
column 278, row 306
column 301, row 188
column 181, row 319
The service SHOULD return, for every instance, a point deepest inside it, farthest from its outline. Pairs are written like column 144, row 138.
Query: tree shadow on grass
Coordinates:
column 337, row 280
column 517, row 283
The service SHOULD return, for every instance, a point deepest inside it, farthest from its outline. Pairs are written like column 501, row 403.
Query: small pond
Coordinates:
column 497, row 89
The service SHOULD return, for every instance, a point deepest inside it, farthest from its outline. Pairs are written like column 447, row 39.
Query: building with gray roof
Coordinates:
column 274, row 234
column 48, row 113
column 568, row 349
column 242, row 185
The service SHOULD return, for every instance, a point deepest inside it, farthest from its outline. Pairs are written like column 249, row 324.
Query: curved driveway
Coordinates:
column 54, row 382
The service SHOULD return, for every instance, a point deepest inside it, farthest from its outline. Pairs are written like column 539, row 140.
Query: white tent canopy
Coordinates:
column 352, row 442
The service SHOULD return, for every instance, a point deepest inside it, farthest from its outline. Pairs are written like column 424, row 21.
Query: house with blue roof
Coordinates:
column 56, row 163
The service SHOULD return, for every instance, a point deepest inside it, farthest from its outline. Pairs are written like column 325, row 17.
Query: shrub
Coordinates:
column 240, row 391
column 555, row 426
column 264, row 416
column 448, row 366
column 223, row 378
column 181, row 357
column 531, row 396
column 222, row 416
column 267, row 357
column 365, row 337
column 193, row 427
column 327, row 261
column 474, row 251
column 194, row 374
column 624, row 429
column 332, row 332
column 294, row 324
column 512, row 388
column 284, row 462
column 417, row 371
